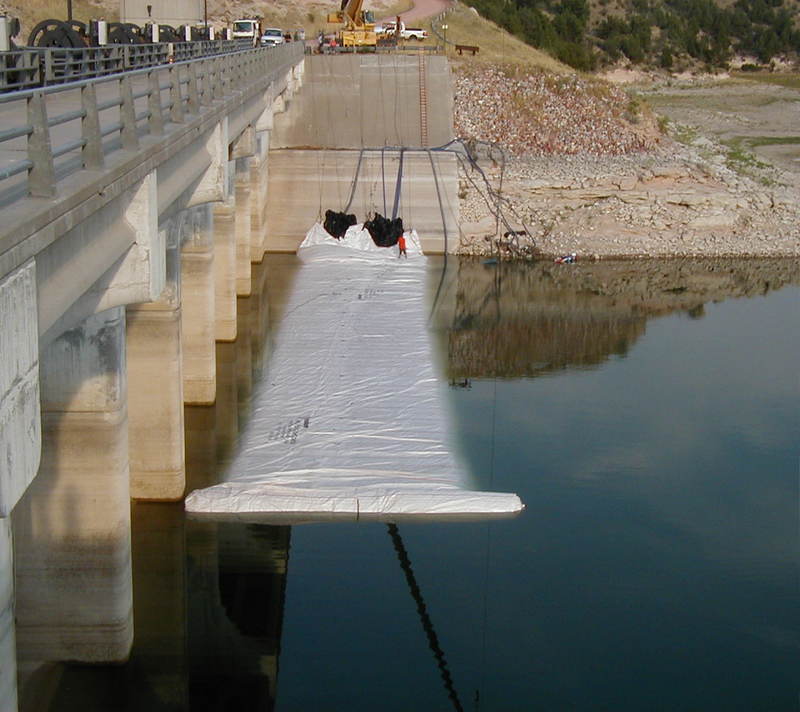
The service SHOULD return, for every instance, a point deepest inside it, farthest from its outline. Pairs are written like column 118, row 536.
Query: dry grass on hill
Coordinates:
column 465, row 26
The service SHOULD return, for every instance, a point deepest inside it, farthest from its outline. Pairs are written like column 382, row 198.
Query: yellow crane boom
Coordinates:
column 357, row 26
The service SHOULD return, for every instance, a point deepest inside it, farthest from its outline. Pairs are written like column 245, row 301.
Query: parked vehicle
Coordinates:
column 247, row 28
column 406, row 33
column 272, row 36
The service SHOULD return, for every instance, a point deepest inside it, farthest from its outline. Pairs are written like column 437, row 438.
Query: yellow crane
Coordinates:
column 357, row 25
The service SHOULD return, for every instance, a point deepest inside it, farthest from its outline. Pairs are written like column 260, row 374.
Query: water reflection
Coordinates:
column 235, row 577
column 513, row 320
column 656, row 560
column 655, row 565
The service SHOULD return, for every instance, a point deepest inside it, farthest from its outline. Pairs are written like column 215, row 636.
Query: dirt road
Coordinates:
column 422, row 9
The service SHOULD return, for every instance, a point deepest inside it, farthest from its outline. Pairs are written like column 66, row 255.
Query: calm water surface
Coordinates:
column 655, row 566
column 647, row 414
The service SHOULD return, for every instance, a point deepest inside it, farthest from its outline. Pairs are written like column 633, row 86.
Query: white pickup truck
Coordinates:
column 406, row 33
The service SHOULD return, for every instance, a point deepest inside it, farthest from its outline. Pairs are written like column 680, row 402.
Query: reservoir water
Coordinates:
column 646, row 413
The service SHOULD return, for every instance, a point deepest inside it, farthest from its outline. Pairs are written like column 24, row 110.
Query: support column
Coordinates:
column 259, row 317
column 225, row 270
column 244, row 353
column 243, row 221
column 201, row 442
column 259, row 179
column 155, row 387
column 8, row 646
column 20, row 428
column 198, row 323
column 226, row 410
column 20, row 442
column 72, row 528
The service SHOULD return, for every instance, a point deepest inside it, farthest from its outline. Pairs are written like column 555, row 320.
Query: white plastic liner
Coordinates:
column 348, row 421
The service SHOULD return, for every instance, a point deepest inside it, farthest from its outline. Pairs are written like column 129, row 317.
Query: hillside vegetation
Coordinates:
column 671, row 34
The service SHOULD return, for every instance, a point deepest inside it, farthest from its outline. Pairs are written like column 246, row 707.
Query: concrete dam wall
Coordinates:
column 338, row 145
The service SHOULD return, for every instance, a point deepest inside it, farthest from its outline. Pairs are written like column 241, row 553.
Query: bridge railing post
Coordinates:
column 253, row 64
column 192, row 91
column 41, row 176
column 204, row 83
column 92, row 151
column 156, row 121
column 229, row 65
column 176, row 110
column 113, row 59
column 127, row 110
column 219, row 89
column 49, row 72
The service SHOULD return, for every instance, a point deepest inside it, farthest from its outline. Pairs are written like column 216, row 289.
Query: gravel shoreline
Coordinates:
column 608, row 184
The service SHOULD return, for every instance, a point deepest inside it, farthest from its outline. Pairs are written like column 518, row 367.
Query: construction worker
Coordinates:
column 401, row 244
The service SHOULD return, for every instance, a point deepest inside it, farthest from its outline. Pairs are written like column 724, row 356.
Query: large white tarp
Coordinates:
column 349, row 420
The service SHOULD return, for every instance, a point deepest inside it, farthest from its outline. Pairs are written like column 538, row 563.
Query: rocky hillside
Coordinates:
column 537, row 113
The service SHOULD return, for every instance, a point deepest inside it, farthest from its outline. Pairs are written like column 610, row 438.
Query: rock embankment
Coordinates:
column 605, row 183
column 535, row 113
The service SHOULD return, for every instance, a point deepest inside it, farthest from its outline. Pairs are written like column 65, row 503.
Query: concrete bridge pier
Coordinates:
column 72, row 526
column 244, row 353
column 20, row 443
column 258, row 317
column 8, row 643
column 226, row 411
column 243, row 226
column 201, row 442
column 198, row 286
column 155, row 386
column 224, row 216
column 20, row 429
column 259, row 179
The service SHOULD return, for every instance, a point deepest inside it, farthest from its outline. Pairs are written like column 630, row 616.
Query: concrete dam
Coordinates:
column 337, row 146
column 132, row 210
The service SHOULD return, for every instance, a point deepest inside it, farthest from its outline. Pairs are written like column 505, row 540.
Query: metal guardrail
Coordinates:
column 112, row 113
column 439, row 19
column 44, row 66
